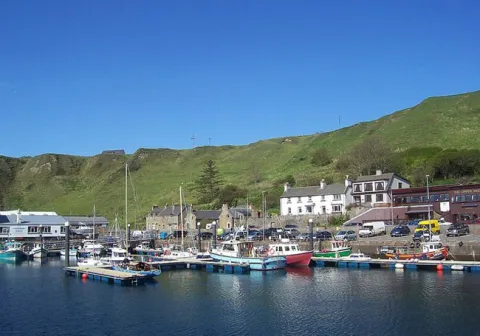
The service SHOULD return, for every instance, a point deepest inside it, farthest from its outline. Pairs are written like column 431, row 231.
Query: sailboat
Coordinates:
column 92, row 247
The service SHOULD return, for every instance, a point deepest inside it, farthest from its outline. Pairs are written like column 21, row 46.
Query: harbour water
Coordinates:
column 38, row 299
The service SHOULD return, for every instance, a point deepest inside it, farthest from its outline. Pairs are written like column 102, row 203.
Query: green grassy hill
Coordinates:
column 70, row 184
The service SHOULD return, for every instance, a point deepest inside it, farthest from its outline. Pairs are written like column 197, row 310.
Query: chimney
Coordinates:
column 379, row 172
column 154, row 207
column 322, row 184
column 348, row 183
column 286, row 186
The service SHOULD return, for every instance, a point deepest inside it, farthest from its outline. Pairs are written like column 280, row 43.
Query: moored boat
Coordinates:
column 337, row 249
column 115, row 255
column 357, row 257
column 432, row 250
column 91, row 261
column 38, row 252
column 244, row 253
column 137, row 267
column 13, row 251
column 292, row 253
column 72, row 253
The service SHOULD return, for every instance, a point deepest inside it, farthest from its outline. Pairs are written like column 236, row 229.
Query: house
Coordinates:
column 324, row 199
column 454, row 202
column 375, row 190
column 114, row 151
column 169, row 218
column 30, row 225
column 206, row 216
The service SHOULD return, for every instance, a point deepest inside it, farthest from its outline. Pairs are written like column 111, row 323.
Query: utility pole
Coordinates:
column 209, row 141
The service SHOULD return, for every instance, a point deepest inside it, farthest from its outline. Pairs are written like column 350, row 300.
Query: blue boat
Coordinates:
column 244, row 253
column 12, row 251
column 137, row 268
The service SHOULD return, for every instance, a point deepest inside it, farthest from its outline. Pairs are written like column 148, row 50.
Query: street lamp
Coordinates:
column 428, row 208
column 199, row 237
column 214, row 234
column 310, row 233
column 67, row 244
column 264, row 210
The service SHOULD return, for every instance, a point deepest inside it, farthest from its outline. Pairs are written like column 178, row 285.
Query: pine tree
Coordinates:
column 208, row 184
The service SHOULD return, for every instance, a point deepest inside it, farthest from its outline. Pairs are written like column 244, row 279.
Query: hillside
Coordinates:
column 70, row 184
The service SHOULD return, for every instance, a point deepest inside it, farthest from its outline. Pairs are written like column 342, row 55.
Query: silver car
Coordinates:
column 346, row 235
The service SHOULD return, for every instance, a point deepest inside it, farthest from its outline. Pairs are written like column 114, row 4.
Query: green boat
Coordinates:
column 337, row 249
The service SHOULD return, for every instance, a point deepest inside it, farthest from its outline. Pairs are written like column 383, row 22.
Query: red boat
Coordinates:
column 292, row 252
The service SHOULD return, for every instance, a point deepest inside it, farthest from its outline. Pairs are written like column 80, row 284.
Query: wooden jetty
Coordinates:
column 106, row 275
column 444, row 265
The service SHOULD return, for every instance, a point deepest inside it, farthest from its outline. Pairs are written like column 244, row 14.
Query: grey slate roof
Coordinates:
column 37, row 219
column 329, row 189
column 387, row 176
column 237, row 213
column 207, row 214
column 167, row 211
column 86, row 220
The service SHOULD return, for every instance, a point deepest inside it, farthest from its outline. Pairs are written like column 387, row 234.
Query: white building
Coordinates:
column 376, row 189
column 324, row 199
column 31, row 225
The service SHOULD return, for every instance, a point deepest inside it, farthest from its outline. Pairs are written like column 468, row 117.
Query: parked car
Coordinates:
column 457, row 230
column 177, row 234
column 303, row 236
column 400, row 231
column 346, row 235
column 291, row 233
column 422, row 235
column 255, row 235
column 205, row 235
column 322, row 235
column 291, row 226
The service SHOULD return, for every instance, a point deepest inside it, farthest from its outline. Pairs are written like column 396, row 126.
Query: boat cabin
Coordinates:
column 432, row 247
column 284, row 248
column 236, row 248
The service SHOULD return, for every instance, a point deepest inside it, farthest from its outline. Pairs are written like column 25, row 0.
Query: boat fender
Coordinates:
column 417, row 245
column 460, row 244
column 272, row 250
column 412, row 245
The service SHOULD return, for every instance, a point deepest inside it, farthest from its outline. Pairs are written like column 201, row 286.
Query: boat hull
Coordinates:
column 299, row 259
column 434, row 255
column 345, row 252
column 39, row 253
column 147, row 274
column 256, row 264
column 12, row 255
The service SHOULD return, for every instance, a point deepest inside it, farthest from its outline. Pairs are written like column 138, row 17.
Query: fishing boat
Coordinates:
column 115, row 256
column 175, row 252
column 91, row 261
column 38, row 251
column 432, row 250
column 72, row 253
column 242, row 252
column 337, row 249
column 145, row 249
column 137, row 267
column 357, row 257
column 291, row 251
column 13, row 251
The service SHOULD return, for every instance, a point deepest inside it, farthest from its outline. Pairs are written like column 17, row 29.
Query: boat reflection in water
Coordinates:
column 300, row 271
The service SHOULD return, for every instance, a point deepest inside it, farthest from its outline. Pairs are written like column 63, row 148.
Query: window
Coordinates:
column 368, row 198
column 379, row 197
column 460, row 198
column 299, row 210
column 32, row 229
column 47, row 229
column 337, row 208
column 62, row 229
column 400, row 185
column 357, row 187
column 415, row 199
column 444, row 197
column 474, row 198
column 369, row 186
column 289, row 200
column 324, row 209
column 299, row 200
column 424, row 199
column 434, row 198
column 468, row 198
column 309, row 209
column 357, row 199
column 310, row 198
column 337, row 197
column 322, row 198
column 287, row 249
column 4, row 230
column 379, row 186
column 289, row 210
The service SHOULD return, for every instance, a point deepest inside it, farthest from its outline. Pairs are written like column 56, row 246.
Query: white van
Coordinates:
column 371, row 229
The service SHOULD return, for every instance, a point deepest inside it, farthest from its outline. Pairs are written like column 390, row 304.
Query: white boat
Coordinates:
column 176, row 252
column 117, row 256
column 357, row 257
column 83, row 230
column 38, row 251
column 71, row 254
column 242, row 252
column 145, row 249
column 91, row 246
column 91, row 261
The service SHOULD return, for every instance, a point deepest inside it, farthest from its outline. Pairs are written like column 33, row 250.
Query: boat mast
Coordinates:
column 181, row 215
column 126, row 207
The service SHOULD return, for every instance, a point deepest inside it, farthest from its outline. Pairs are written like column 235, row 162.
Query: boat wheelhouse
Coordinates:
column 291, row 251
column 336, row 249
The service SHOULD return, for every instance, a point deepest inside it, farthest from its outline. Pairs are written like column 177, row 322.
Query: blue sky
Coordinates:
column 79, row 77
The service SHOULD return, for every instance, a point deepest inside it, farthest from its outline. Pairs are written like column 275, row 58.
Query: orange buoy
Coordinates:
column 439, row 267
column 84, row 276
